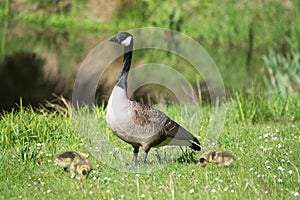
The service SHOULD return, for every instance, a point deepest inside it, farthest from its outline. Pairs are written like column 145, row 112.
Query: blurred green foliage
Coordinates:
column 282, row 73
column 235, row 33
column 225, row 22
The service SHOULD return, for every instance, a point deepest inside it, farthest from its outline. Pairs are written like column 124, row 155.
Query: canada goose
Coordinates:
column 220, row 158
column 138, row 124
column 76, row 161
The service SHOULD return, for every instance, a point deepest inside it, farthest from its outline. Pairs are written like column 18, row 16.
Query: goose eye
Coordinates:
column 202, row 160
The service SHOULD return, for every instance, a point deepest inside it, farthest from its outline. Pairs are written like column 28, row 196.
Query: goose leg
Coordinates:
column 135, row 155
column 145, row 154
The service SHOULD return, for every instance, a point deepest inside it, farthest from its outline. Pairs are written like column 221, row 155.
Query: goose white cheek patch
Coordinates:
column 127, row 41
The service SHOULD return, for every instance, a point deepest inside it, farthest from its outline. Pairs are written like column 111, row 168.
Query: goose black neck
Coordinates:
column 122, row 79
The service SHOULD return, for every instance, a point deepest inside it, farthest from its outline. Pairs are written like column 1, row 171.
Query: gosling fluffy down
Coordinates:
column 76, row 161
column 218, row 157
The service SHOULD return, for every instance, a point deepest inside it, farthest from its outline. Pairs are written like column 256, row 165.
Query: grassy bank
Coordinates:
column 261, row 131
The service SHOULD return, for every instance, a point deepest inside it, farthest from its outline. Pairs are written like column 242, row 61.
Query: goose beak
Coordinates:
column 114, row 39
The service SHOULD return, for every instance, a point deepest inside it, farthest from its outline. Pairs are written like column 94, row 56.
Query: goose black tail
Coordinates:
column 196, row 145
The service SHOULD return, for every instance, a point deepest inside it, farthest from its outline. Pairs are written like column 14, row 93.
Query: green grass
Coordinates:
column 261, row 131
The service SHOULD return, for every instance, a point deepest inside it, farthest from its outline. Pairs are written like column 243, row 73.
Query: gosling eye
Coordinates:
column 202, row 160
column 84, row 172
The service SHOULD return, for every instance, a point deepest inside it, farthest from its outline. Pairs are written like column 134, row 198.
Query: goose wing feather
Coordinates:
column 157, row 128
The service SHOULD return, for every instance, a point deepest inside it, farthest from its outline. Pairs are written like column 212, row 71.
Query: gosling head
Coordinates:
column 122, row 38
column 203, row 161
column 84, row 170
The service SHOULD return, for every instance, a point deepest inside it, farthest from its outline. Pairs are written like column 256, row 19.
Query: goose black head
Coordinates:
column 122, row 38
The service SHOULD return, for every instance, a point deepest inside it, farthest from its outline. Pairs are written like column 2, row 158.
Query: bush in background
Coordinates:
column 282, row 72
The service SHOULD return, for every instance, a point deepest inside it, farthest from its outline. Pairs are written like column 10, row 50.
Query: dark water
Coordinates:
column 37, row 62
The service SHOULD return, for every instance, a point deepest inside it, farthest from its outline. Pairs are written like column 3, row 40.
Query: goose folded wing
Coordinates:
column 156, row 122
